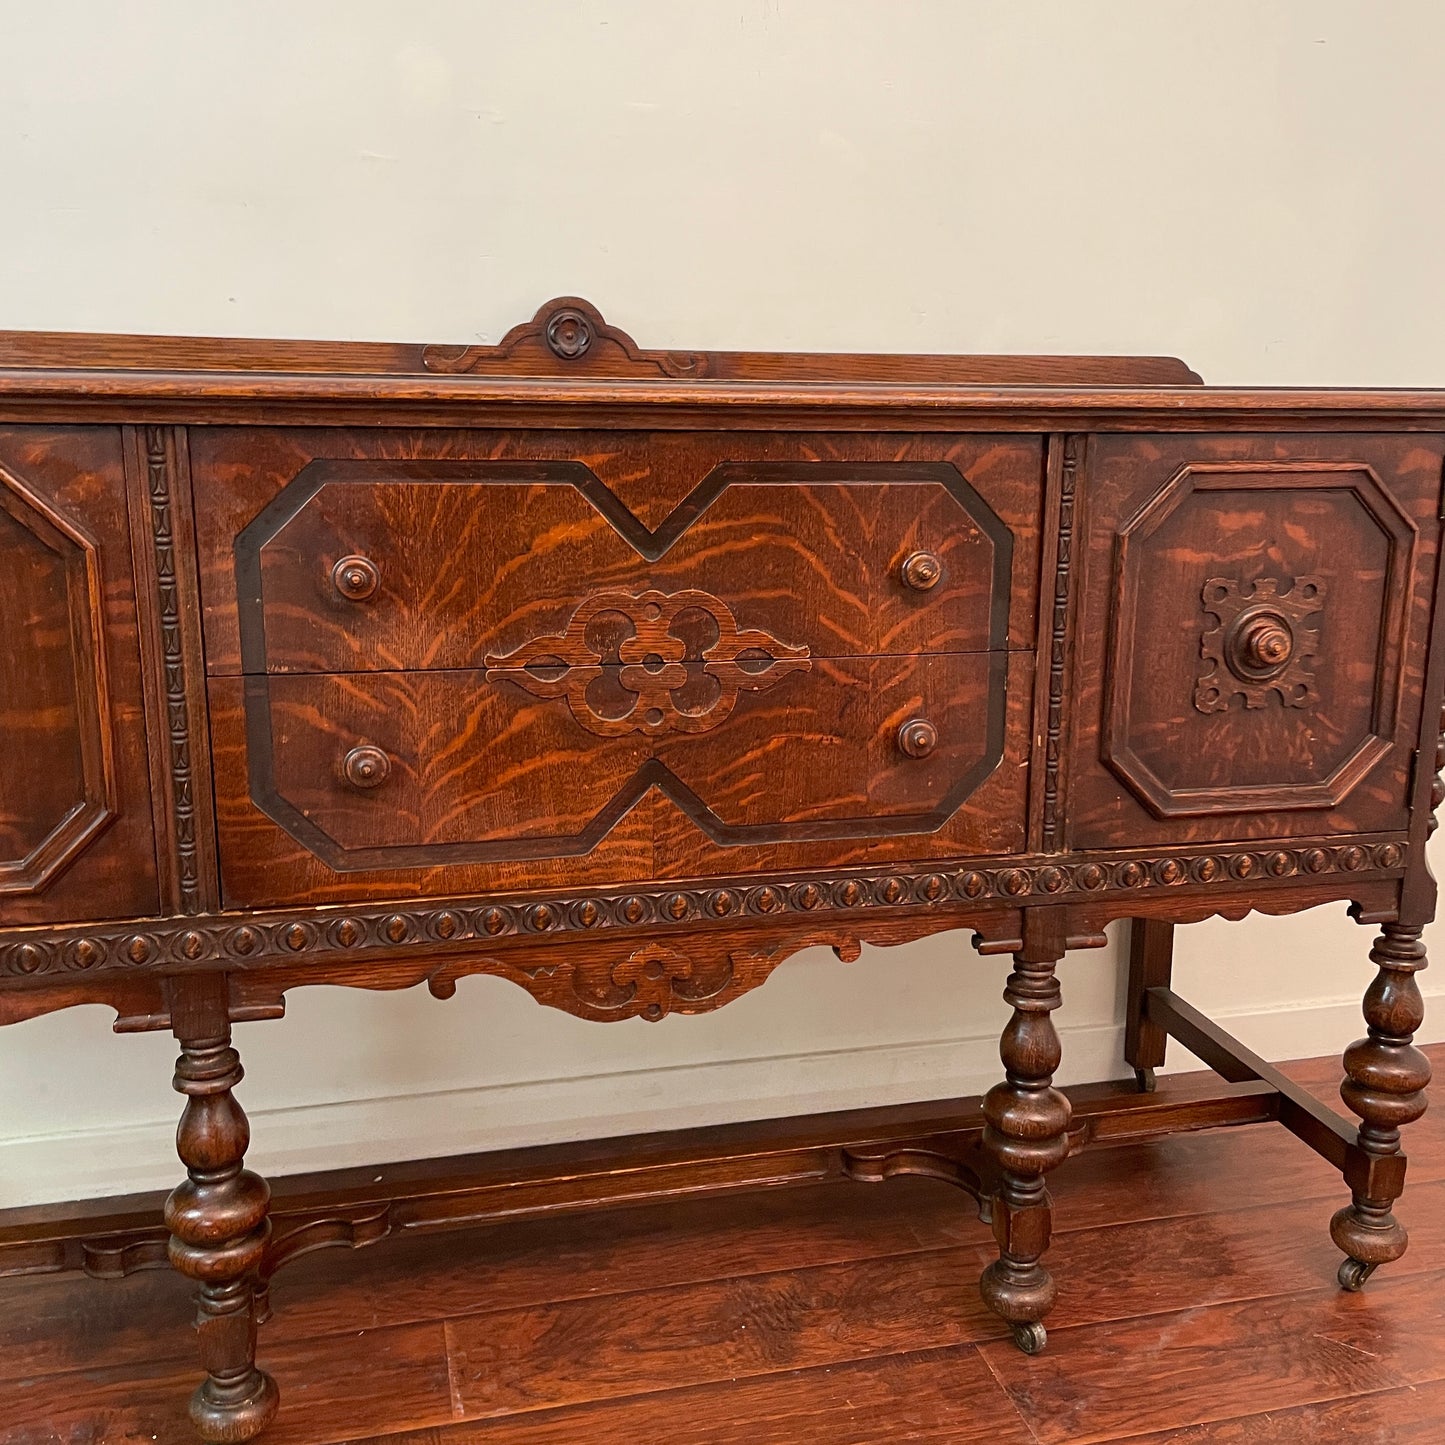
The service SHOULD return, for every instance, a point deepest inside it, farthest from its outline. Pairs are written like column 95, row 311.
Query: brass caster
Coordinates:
column 1144, row 1078
column 1354, row 1272
column 1030, row 1336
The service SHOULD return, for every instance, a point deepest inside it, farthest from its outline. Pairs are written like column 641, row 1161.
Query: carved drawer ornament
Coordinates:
column 1264, row 640
column 634, row 643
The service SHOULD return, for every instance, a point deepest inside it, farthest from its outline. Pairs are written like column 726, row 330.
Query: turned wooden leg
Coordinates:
column 1385, row 1084
column 1025, row 1132
column 219, row 1230
column 1151, row 965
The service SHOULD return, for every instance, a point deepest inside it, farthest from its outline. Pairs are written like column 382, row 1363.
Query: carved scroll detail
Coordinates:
column 633, row 639
column 1263, row 641
column 566, row 333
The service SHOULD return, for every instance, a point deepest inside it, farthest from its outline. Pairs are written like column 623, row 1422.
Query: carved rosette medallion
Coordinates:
column 1264, row 640
column 653, row 663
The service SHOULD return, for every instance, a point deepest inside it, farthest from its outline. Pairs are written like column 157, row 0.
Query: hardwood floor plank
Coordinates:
column 582, row 1350
column 1173, row 1371
column 1130, row 1270
column 616, row 1312
column 375, row 1380
column 1414, row 1415
column 68, row 1322
column 944, row 1395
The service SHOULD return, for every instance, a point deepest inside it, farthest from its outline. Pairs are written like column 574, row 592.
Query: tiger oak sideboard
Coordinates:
column 625, row 674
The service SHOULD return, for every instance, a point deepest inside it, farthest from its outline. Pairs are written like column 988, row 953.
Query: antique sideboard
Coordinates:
column 626, row 674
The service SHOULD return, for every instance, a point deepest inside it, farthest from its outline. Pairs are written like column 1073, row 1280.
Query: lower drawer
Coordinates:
column 459, row 774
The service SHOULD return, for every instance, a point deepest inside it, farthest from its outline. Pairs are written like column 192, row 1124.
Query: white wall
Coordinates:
column 1254, row 186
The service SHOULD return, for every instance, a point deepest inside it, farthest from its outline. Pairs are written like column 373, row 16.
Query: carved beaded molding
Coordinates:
column 1058, row 640
column 183, row 801
column 339, row 933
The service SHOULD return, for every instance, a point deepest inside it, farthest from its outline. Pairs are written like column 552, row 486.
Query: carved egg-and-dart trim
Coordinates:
column 378, row 930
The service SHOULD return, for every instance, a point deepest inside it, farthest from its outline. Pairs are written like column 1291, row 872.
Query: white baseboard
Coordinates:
column 64, row 1165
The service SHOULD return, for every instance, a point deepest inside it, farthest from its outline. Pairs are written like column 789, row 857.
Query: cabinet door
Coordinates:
column 76, row 831
column 1253, row 629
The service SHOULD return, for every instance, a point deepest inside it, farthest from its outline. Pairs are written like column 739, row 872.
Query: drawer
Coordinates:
column 338, row 551
column 450, row 661
column 1253, row 635
column 431, row 769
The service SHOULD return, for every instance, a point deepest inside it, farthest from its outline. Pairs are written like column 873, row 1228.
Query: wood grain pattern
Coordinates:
column 527, row 350
column 405, row 1376
column 1302, row 1349
column 462, row 653
column 684, row 807
column 1414, row 1415
column 173, row 664
column 826, row 542
column 939, row 1395
column 369, row 1338
column 60, row 778
column 1353, row 512
column 480, row 771
column 825, row 555
column 75, row 825
column 986, row 896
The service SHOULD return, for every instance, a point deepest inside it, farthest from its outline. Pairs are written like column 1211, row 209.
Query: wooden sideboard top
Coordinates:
column 566, row 337
column 567, row 366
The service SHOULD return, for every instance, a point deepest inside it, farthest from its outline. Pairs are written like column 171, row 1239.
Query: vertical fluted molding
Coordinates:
column 1026, row 1126
column 1385, row 1079
column 219, row 1230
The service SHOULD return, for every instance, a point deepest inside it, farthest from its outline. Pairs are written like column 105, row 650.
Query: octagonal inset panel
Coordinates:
column 57, row 786
column 1256, row 637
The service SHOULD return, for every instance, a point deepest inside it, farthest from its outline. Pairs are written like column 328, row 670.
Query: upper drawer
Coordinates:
column 332, row 551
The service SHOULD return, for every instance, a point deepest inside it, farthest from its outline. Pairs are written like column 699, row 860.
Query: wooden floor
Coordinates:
column 1197, row 1304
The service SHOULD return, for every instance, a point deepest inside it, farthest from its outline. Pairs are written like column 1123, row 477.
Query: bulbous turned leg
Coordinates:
column 219, row 1230
column 1025, row 1131
column 1385, row 1084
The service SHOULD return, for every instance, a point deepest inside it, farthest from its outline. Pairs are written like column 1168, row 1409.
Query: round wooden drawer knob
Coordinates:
column 921, row 570
column 356, row 578
column 1267, row 643
column 366, row 767
column 917, row 738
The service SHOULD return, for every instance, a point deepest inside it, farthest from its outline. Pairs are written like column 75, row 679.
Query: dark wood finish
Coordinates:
column 1385, row 1079
column 1027, row 1134
column 625, row 674
column 528, row 350
column 568, row 1312
column 76, row 838
column 1151, row 965
column 828, row 521
column 829, row 537
column 1185, row 754
column 218, row 1219
column 173, row 661
column 351, row 1208
column 470, row 769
